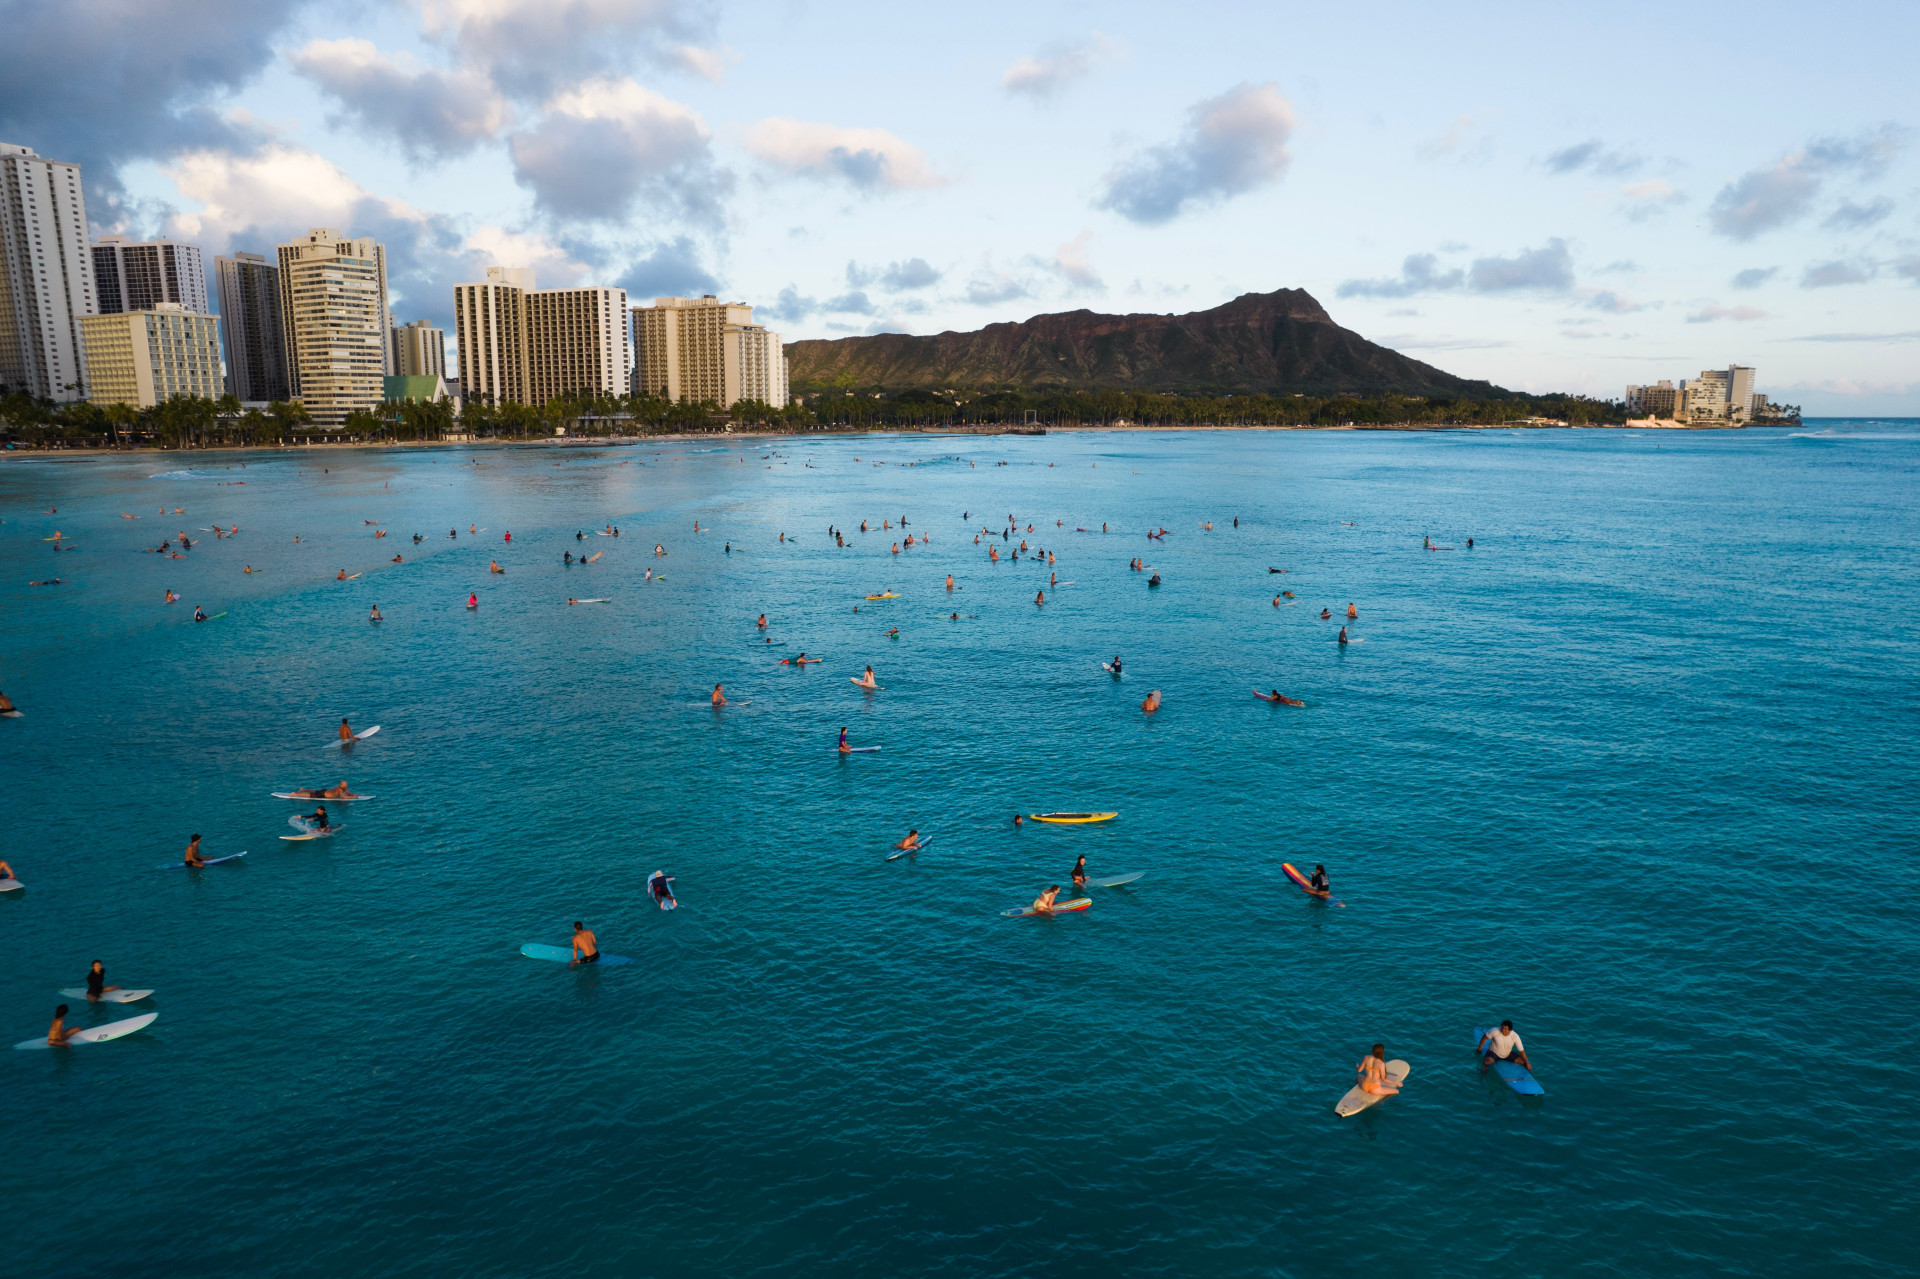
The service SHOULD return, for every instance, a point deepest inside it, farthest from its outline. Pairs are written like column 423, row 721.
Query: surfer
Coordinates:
column 58, row 1033
column 171, row 597
column 1373, row 1073
column 1503, row 1045
column 192, row 856
column 1040, row 597
column 1152, row 703
column 1343, row 637
column 1115, row 668
column 1043, row 904
column 586, row 947
column 660, row 890
column 473, row 601
column 97, row 982
column 1326, row 614
column 801, row 660
column 199, row 614
column 1154, row 580
column 719, row 698
column 1352, row 612
column 1469, row 544
column 1080, row 871
column 346, row 730
column 6, row 871
column 493, row 566
column 949, row 581
column 867, row 680
column 1318, row 883
column 318, row 817
column 341, row 576
column 373, row 615
column 762, row 623
column 844, row 748
column 911, row 843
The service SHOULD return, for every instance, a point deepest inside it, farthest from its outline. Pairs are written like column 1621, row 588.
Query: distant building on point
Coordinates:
column 1724, row 396
column 46, row 276
column 148, row 357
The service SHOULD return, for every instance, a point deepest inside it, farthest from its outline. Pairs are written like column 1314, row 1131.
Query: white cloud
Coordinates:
column 1785, row 191
column 1072, row 261
column 709, row 64
column 1055, row 67
column 868, row 159
column 1231, row 145
column 278, row 189
column 1710, row 314
column 429, row 111
column 598, row 147
column 990, row 285
column 1649, row 199
column 533, row 47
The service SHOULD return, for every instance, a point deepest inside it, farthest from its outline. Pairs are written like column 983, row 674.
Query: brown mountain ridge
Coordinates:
column 1282, row 342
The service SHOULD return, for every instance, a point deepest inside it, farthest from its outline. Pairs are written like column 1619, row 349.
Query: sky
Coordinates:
column 1553, row 198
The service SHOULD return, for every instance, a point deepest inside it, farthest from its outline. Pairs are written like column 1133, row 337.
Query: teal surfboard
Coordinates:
column 564, row 955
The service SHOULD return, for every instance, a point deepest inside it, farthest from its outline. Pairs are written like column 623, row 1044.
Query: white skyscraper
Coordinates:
column 333, row 310
column 46, row 275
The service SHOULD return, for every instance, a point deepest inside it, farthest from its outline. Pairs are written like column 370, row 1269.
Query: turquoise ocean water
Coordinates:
column 1637, row 771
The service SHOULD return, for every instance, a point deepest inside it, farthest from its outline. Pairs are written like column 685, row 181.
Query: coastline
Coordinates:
column 20, row 451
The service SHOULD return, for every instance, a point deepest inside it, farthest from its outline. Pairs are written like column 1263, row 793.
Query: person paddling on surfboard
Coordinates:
column 661, row 891
column 97, row 982
column 911, row 842
column 192, row 856
column 1373, row 1073
column 1080, row 872
column 1503, row 1045
column 586, row 947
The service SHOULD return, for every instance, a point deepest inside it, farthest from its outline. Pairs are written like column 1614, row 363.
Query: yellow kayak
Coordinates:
column 1073, row 819
column 888, row 596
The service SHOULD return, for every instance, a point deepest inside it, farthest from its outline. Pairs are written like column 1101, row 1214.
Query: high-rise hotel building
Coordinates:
column 695, row 350
column 522, row 345
column 46, row 275
column 333, row 306
column 419, row 350
column 147, row 357
column 132, row 276
column 252, row 329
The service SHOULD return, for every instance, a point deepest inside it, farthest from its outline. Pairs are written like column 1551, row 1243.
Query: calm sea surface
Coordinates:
column 1637, row 771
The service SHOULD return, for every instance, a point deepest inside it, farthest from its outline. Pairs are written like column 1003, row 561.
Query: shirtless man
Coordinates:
column 911, row 842
column 192, row 856
column 1352, row 612
column 6, row 704
column 346, row 730
column 1373, row 1073
column 1152, row 703
column 719, row 698
column 586, row 947
column 1043, row 904
column 6, row 871
column 762, row 623
column 949, row 581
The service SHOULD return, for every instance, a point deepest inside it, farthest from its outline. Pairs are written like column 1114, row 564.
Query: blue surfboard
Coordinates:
column 564, row 955
column 1517, row 1077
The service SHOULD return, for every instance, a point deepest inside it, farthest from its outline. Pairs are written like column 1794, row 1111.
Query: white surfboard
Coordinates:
column 1358, row 1100
column 319, row 799
column 1118, row 880
column 855, row 680
column 8, row 885
column 111, row 997
column 98, row 1035
column 358, row 737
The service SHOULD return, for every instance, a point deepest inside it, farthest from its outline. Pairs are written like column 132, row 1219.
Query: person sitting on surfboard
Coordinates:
column 1343, row 635
column 1318, row 884
column 586, row 947
column 473, row 601
column 1325, row 614
column 373, row 614
column 192, row 856
column 1043, row 904
column 719, row 698
column 1352, row 612
column 199, row 614
column 6, row 704
column 911, row 842
column 867, row 679
column 58, row 1033
column 1373, row 1073
column 346, row 730
column 762, row 623
column 97, row 982
column 1503, row 1045
column 1080, row 871
column 844, row 748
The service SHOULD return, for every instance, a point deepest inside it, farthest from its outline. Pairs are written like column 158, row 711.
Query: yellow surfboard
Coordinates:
column 1073, row 819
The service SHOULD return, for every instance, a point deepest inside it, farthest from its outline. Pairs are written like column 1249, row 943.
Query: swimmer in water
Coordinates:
column 719, row 698
column 762, row 623
column 1040, row 597
column 1018, row 820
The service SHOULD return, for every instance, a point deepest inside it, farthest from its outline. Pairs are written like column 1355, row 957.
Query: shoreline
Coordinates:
column 19, row 451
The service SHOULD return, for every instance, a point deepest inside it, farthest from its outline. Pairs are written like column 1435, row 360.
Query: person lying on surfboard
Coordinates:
column 659, row 888
column 1043, row 904
column 911, row 842
column 1503, row 1045
column 1373, row 1073
column 192, row 856
column 801, row 660
column 586, row 947
column 1080, row 872
column 331, row 792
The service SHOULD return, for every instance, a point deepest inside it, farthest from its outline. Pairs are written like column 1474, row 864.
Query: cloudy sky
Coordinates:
column 1550, row 197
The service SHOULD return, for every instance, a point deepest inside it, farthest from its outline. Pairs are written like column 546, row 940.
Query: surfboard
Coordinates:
column 1282, row 700
column 328, row 833
column 1358, row 1100
column 1517, row 1077
column 1078, row 903
column 871, row 688
column 1073, row 819
column 213, row 861
column 856, row 750
column 13, row 714
column 358, row 737
column 111, row 997
column 924, row 841
column 323, row 799
column 1115, row 883
column 99, row 1034
column 602, row 600
column 564, row 955
column 8, row 885
column 888, row 596
column 1306, row 885
column 667, row 902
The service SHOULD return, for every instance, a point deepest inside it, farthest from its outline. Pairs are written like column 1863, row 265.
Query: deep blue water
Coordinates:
column 1637, row 771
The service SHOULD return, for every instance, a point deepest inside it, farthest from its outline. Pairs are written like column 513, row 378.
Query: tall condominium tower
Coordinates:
column 419, row 350
column 134, row 276
column 251, row 327
column 699, row 349
column 522, row 345
column 46, row 275
column 333, row 307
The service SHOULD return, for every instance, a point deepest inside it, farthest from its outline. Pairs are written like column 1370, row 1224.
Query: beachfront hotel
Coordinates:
column 1717, row 395
column 46, row 276
column 522, row 345
column 131, row 275
column 333, row 304
column 147, row 357
column 252, row 329
column 692, row 350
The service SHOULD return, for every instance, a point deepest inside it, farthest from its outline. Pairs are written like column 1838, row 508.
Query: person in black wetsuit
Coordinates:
column 1080, row 872
column 97, row 981
column 1319, row 880
column 1116, row 664
column 319, row 818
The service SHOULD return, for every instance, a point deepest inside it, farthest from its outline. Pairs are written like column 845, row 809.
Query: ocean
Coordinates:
column 1635, row 771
